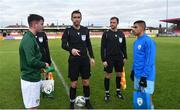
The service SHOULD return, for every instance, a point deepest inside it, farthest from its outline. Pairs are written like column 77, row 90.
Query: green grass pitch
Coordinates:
column 167, row 85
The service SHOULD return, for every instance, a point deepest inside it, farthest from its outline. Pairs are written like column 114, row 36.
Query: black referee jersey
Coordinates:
column 42, row 41
column 78, row 39
column 113, row 44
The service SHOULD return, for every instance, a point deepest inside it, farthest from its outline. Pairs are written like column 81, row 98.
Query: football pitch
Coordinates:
column 167, row 85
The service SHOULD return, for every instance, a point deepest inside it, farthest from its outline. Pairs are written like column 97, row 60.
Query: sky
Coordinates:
column 97, row 12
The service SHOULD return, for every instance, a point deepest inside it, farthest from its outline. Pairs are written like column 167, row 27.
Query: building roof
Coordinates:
column 172, row 20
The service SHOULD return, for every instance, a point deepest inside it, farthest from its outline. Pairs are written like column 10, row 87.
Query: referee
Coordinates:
column 42, row 41
column 113, row 55
column 77, row 42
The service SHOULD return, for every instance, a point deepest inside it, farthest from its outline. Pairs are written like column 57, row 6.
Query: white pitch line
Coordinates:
column 61, row 77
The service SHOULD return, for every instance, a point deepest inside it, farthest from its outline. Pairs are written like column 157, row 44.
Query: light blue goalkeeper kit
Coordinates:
column 144, row 58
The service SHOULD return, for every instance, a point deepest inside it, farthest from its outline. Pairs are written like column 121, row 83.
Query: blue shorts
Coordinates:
column 150, row 86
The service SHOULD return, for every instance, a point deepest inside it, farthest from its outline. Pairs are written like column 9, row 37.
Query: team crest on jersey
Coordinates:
column 40, row 39
column 120, row 40
column 116, row 35
column 139, row 101
column 83, row 37
column 139, row 47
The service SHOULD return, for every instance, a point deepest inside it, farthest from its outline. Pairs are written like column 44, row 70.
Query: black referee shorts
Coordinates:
column 79, row 66
column 117, row 64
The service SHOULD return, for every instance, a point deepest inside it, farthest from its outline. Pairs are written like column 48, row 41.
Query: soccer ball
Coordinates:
column 80, row 101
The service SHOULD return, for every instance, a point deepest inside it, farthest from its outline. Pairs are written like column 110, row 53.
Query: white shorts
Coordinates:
column 150, row 86
column 30, row 93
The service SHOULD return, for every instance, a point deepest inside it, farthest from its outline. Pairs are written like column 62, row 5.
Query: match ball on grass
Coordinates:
column 80, row 101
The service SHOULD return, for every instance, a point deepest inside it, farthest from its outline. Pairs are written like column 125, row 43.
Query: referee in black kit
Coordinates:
column 113, row 54
column 42, row 41
column 76, row 40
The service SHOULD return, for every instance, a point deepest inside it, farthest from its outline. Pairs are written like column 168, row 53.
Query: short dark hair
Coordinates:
column 142, row 23
column 117, row 19
column 75, row 12
column 34, row 17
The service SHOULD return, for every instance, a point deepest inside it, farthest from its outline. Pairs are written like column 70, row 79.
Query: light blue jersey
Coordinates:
column 144, row 58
